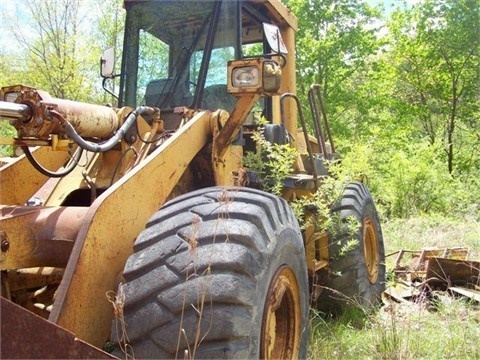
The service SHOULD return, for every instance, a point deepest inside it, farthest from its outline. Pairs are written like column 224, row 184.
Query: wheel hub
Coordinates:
column 370, row 249
column 281, row 331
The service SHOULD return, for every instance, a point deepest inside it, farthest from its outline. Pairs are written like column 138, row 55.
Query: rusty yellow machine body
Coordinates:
column 91, row 176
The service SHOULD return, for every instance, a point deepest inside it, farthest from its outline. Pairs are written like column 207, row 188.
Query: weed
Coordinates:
column 118, row 300
column 272, row 162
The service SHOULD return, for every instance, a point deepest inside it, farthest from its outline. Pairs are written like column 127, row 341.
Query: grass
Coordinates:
column 449, row 330
column 445, row 327
column 433, row 231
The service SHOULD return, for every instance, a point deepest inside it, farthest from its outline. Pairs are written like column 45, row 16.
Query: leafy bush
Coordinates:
column 6, row 131
column 411, row 178
column 272, row 163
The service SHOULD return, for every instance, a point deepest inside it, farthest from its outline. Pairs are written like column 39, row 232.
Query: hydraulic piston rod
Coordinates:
column 13, row 111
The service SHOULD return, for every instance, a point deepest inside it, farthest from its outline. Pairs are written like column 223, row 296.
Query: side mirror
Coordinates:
column 274, row 38
column 107, row 63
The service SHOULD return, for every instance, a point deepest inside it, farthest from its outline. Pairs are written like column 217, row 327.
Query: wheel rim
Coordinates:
column 370, row 250
column 281, row 330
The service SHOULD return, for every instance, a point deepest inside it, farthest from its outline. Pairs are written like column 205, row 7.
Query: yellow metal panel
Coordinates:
column 19, row 180
column 71, row 182
column 111, row 225
column 282, row 13
column 316, row 249
column 289, row 84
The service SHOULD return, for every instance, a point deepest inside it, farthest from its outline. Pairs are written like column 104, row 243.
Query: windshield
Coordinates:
column 176, row 50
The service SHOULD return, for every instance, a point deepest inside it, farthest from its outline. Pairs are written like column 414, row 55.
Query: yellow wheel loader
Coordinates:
column 136, row 231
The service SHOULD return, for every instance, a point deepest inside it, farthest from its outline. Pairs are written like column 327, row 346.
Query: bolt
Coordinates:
column 5, row 244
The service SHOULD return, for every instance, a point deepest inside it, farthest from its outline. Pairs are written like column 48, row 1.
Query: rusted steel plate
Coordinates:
column 25, row 335
column 450, row 272
column 38, row 236
column 89, row 120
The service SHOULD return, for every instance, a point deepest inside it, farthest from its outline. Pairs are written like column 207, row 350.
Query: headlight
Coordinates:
column 258, row 75
column 246, row 76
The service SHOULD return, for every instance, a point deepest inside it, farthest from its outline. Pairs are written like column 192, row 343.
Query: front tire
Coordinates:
column 217, row 273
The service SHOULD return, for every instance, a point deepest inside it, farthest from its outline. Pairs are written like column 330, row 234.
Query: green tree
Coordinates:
column 109, row 34
column 336, row 42
column 437, row 57
column 57, row 58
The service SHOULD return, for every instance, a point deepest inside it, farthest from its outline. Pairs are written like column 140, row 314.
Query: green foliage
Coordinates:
column 52, row 56
column 405, row 110
column 335, row 42
column 319, row 205
column 417, row 184
column 437, row 62
column 409, row 179
column 272, row 163
column 318, row 210
column 6, row 131
column 55, row 49
column 109, row 34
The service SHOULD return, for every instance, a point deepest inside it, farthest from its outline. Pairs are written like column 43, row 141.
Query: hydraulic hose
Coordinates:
column 110, row 143
column 46, row 172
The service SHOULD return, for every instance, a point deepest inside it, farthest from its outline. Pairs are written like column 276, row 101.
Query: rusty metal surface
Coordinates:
column 38, row 235
column 418, row 273
column 441, row 272
column 88, row 120
column 229, row 129
column 470, row 293
column 410, row 265
column 27, row 336
column 228, row 162
column 32, row 277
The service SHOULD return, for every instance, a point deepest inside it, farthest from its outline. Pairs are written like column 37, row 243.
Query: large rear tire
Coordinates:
column 217, row 273
column 357, row 268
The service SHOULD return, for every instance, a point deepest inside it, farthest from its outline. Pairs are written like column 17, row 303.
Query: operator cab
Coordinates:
column 176, row 52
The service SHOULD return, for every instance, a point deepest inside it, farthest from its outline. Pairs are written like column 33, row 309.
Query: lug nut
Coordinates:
column 5, row 245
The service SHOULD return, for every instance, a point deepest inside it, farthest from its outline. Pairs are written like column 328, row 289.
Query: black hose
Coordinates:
column 47, row 172
column 110, row 143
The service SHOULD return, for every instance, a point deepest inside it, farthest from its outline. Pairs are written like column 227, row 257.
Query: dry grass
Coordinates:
column 415, row 233
column 118, row 300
